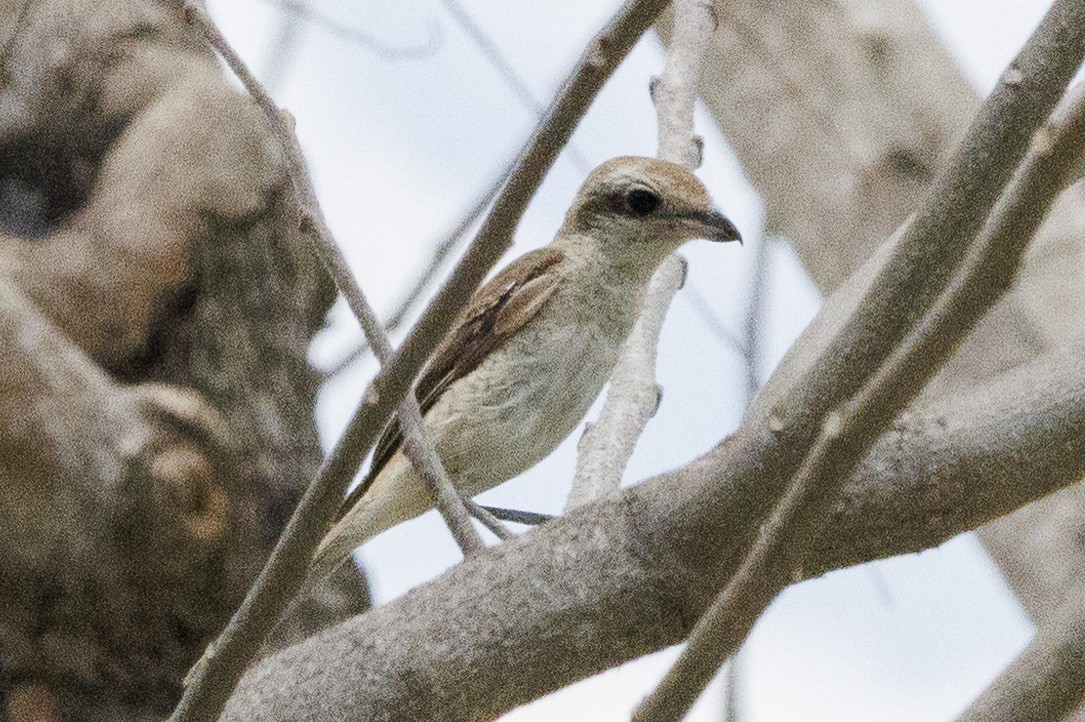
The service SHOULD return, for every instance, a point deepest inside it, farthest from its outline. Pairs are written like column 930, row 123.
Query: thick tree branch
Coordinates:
column 1046, row 682
column 839, row 112
column 286, row 570
column 468, row 644
column 770, row 445
column 849, row 430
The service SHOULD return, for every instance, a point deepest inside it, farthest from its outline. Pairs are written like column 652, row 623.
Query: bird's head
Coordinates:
column 639, row 210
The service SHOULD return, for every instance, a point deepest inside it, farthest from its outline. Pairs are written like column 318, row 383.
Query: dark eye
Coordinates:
column 641, row 202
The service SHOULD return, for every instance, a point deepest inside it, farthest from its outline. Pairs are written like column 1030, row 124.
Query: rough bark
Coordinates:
column 840, row 113
column 155, row 402
column 646, row 565
column 1047, row 680
column 620, row 578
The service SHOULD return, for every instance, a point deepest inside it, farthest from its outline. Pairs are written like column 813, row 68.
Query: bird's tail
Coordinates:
column 395, row 496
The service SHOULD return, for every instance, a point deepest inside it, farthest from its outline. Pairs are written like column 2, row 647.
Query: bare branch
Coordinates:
column 418, row 448
column 712, row 321
column 755, row 318
column 606, row 445
column 633, row 395
column 679, row 522
column 298, row 9
column 216, row 674
column 488, row 519
column 1046, row 682
column 441, row 251
column 505, row 69
column 675, row 92
column 205, row 693
column 624, row 577
column 850, row 429
column 422, row 454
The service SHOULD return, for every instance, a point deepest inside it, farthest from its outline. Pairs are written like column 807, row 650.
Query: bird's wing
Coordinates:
column 495, row 313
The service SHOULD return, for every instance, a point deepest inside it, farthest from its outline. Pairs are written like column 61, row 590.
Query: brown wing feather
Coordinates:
column 496, row 311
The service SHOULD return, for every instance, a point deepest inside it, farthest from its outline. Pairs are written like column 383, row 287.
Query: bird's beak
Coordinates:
column 713, row 226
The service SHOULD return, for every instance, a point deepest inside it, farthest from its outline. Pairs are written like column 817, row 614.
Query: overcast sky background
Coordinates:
column 401, row 148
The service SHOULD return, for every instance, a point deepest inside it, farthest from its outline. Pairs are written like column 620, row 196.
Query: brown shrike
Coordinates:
column 535, row 345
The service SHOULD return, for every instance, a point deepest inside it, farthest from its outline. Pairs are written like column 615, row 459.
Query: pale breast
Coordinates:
column 522, row 402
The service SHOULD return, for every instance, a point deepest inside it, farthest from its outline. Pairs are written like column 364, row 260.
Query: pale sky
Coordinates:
column 400, row 148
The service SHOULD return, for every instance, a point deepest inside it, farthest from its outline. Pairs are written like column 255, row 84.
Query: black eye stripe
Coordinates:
column 641, row 202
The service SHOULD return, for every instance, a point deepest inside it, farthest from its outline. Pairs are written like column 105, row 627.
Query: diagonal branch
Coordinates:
column 1046, row 682
column 691, row 530
column 441, row 251
column 419, row 449
column 226, row 656
column 617, row 579
column 850, row 429
column 216, row 674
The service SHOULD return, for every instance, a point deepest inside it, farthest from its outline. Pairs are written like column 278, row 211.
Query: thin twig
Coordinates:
column 216, row 675
column 417, row 446
column 852, row 427
column 444, row 248
column 607, row 444
column 528, row 518
column 229, row 655
column 712, row 321
column 751, row 357
column 732, row 688
column 633, row 397
column 488, row 519
column 755, row 318
column 282, row 49
column 423, row 456
column 505, row 69
column 298, row 9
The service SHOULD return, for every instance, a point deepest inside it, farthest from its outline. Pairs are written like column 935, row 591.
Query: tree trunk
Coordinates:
column 156, row 306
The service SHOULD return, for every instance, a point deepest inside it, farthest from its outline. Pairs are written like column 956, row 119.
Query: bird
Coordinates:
column 534, row 346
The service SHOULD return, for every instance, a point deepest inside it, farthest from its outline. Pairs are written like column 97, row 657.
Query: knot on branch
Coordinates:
column 185, row 452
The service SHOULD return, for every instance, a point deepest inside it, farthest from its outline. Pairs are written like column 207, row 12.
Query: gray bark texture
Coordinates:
column 156, row 408
column 860, row 102
column 840, row 112
column 621, row 578
column 618, row 579
column 156, row 307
